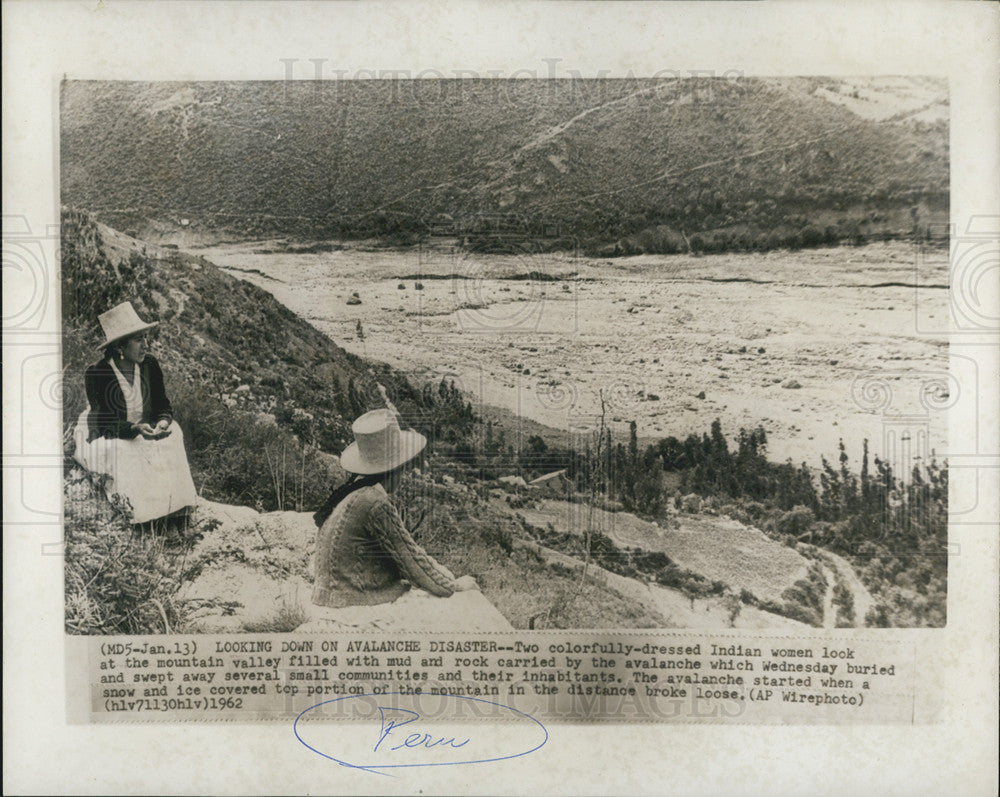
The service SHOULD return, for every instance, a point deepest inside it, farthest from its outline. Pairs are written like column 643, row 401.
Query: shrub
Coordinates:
column 878, row 616
column 691, row 503
column 734, row 606
column 284, row 620
column 796, row 521
column 237, row 457
column 119, row 578
column 843, row 599
column 803, row 600
column 812, row 236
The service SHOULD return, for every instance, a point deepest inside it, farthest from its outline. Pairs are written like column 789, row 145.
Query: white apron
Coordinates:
column 152, row 475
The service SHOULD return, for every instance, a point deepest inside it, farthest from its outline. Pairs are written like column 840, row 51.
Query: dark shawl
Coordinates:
column 107, row 402
column 355, row 482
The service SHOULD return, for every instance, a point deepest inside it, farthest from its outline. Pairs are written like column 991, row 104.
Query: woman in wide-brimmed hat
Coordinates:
column 128, row 432
column 364, row 552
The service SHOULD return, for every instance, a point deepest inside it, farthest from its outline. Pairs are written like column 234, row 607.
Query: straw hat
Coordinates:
column 379, row 444
column 120, row 322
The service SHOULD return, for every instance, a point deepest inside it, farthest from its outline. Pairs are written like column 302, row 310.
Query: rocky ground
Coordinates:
column 815, row 346
column 256, row 575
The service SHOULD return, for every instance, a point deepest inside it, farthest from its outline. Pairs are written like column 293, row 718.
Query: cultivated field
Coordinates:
column 719, row 549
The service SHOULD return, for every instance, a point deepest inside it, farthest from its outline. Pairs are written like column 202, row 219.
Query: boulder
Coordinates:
column 514, row 481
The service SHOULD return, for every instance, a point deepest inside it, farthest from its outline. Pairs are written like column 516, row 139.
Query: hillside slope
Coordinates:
column 214, row 331
column 598, row 159
column 264, row 398
column 234, row 570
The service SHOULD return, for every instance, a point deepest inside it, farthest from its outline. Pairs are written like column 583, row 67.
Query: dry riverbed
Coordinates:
column 792, row 341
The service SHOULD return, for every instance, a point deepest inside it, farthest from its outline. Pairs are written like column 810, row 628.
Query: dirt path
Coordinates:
column 836, row 570
column 829, row 609
column 863, row 600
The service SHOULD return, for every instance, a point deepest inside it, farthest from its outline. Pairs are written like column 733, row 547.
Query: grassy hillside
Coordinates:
column 260, row 393
column 262, row 399
column 648, row 161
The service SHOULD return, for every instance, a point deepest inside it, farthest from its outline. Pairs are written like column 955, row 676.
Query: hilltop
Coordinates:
column 646, row 164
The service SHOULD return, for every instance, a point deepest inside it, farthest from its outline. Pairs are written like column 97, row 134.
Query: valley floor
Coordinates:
column 815, row 346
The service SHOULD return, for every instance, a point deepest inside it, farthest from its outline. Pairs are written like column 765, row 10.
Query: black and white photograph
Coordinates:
column 460, row 397
column 505, row 354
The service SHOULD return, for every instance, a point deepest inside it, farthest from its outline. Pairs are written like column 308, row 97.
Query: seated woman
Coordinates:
column 128, row 432
column 363, row 550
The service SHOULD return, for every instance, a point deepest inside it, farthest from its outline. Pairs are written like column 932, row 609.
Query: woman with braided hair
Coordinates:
column 364, row 553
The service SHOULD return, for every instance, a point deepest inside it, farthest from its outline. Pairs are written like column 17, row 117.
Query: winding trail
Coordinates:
column 829, row 609
column 837, row 569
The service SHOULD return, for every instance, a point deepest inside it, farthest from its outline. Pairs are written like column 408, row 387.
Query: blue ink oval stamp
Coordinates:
column 392, row 737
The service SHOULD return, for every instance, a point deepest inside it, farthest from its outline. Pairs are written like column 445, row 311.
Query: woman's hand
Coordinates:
column 147, row 431
column 161, row 426
column 465, row 583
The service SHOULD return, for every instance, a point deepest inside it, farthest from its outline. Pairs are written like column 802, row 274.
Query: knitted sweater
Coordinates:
column 363, row 551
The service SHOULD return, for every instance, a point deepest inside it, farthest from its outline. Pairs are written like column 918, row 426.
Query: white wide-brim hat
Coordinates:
column 122, row 321
column 379, row 444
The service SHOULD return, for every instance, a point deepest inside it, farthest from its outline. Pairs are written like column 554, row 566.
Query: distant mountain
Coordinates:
column 596, row 159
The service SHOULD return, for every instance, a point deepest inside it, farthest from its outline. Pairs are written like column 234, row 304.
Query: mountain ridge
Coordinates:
column 368, row 158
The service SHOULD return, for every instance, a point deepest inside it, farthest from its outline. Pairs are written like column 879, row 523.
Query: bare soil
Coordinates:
column 815, row 346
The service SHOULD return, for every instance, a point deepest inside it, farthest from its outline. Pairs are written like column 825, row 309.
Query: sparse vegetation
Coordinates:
column 749, row 164
column 120, row 578
column 285, row 620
